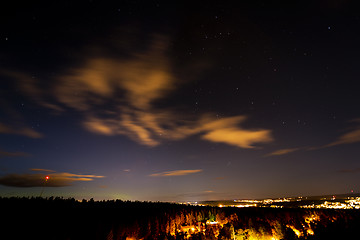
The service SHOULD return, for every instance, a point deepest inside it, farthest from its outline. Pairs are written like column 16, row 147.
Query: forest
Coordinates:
column 59, row 218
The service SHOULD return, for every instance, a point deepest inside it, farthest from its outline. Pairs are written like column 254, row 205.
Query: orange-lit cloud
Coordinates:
column 175, row 173
column 129, row 88
column 123, row 125
column 351, row 137
column 139, row 80
column 104, row 127
column 71, row 177
column 227, row 131
column 23, row 131
column 147, row 129
column 133, row 83
column 60, row 179
column 282, row 151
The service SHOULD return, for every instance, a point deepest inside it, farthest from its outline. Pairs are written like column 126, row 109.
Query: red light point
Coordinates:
column 47, row 177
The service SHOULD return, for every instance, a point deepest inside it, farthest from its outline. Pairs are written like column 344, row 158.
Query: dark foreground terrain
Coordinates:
column 57, row 218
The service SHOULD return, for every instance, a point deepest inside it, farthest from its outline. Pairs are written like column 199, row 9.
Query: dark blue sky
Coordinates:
column 178, row 102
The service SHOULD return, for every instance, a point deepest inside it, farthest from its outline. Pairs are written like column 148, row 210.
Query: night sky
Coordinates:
column 179, row 101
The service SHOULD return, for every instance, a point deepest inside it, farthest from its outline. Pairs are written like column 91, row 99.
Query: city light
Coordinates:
column 331, row 202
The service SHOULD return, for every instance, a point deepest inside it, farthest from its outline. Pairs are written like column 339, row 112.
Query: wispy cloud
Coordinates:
column 56, row 179
column 141, row 78
column 352, row 136
column 282, row 151
column 23, row 131
column 13, row 154
column 129, row 89
column 151, row 128
column 175, row 173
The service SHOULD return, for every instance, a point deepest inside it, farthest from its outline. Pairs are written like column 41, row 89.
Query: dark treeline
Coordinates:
column 58, row 218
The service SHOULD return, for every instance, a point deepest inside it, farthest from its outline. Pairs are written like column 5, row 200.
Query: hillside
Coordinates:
column 57, row 218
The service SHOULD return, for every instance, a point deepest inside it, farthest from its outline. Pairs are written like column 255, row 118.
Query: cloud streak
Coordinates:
column 175, row 173
column 23, row 131
column 348, row 138
column 56, row 179
column 13, row 154
column 352, row 136
column 282, row 152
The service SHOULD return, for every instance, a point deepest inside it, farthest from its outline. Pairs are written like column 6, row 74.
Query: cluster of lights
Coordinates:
column 216, row 226
column 350, row 203
column 200, row 228
column 353, row 203
column 309, row 231
column 248, row 201
column 280, row 200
